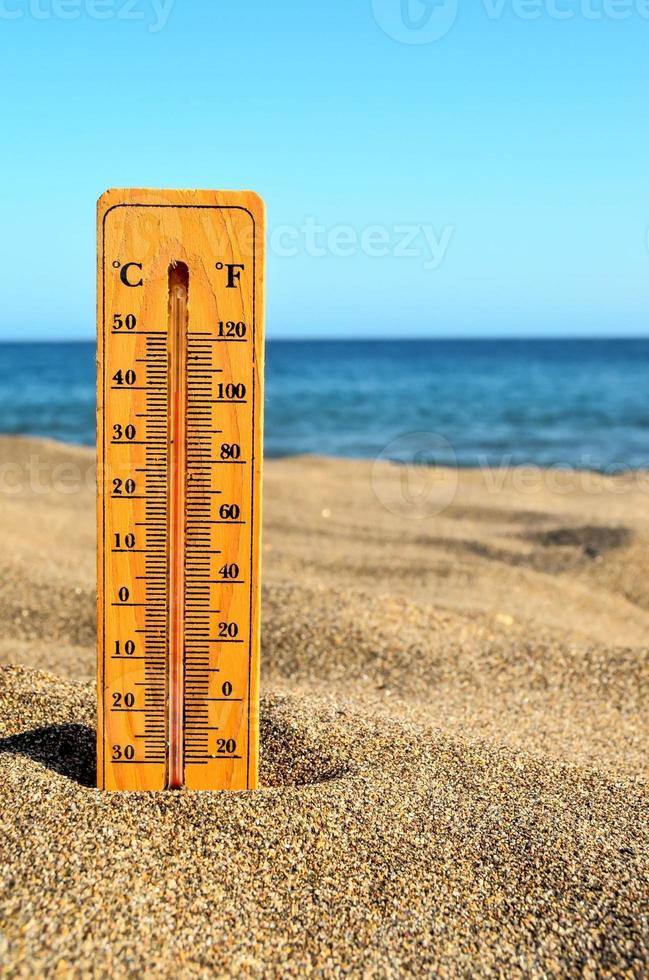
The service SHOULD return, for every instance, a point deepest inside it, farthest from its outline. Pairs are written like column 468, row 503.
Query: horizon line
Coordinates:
column 445, row 338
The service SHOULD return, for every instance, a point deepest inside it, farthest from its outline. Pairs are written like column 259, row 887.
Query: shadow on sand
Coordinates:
column 69, row 750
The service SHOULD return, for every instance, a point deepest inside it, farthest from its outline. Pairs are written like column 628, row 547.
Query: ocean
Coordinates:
column 574, row 403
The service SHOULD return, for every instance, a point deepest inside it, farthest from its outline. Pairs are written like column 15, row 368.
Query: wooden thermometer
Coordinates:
column 179, row 438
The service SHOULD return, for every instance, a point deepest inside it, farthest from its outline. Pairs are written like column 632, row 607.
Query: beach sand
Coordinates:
column 454, row 738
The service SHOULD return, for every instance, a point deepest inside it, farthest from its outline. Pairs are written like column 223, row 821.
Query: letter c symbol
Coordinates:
column 123, row 275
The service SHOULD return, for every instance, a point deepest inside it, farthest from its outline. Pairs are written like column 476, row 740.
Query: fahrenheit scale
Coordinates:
column 179, row 431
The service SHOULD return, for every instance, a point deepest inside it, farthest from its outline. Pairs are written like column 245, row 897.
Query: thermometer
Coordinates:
column 179, row 442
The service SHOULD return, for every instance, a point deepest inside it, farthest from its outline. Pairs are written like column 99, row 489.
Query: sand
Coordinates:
column 454, row 740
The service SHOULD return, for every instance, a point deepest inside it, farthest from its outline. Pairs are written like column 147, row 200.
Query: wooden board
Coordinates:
column 179, row 441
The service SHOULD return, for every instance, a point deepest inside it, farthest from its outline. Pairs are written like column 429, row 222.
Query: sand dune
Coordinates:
column 454, row 739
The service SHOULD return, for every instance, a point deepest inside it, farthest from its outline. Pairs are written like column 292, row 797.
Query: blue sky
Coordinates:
column 441, row 169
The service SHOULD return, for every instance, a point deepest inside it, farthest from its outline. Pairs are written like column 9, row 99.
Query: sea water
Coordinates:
column 577, row 403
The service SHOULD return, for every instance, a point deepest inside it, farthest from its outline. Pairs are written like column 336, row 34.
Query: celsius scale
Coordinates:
column 179, row 439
